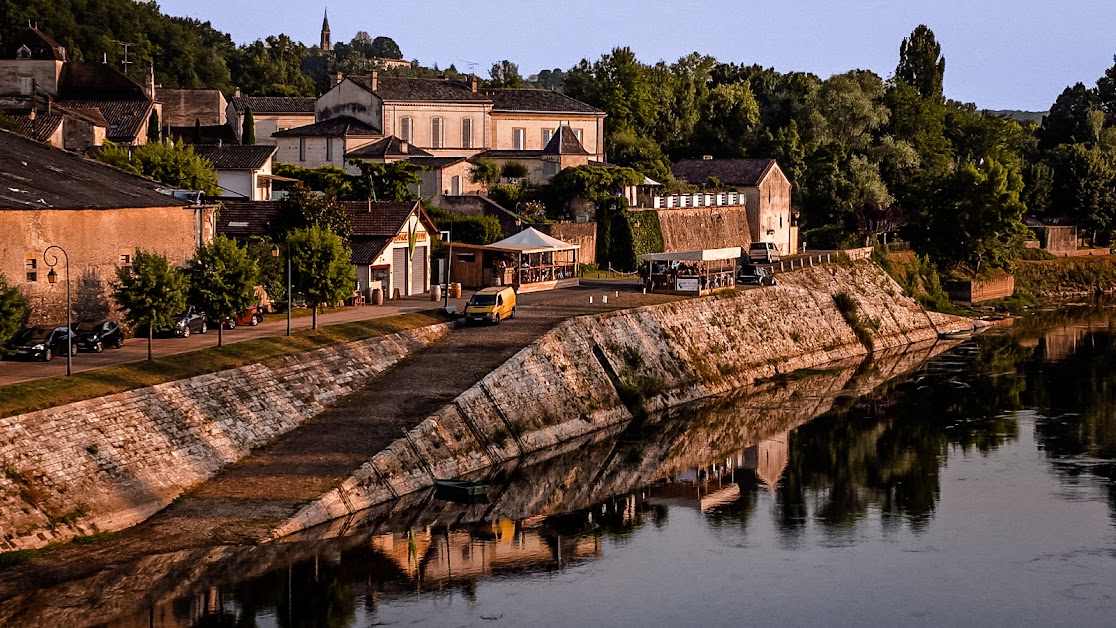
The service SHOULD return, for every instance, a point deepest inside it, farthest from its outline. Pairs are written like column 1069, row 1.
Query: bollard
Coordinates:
column 617, row 294
column 604, row 299
column 590, row 300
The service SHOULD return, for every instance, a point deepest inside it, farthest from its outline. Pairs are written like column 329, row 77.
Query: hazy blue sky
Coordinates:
column 1000, row 54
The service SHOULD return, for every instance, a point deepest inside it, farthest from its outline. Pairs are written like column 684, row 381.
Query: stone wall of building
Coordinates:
column 108, row 463
column 594, row 372
column 580, row 233
column 691, row 229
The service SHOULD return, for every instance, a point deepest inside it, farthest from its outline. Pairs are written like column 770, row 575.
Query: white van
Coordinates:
column 763, row 252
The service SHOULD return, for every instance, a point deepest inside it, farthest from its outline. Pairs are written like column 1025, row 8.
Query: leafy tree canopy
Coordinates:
column 321, row 267
column 150, row 292
column 921, row 64
column 303, row 208
column 222, row 279
column 175, row 165
column 13, row 309
column 505, row 74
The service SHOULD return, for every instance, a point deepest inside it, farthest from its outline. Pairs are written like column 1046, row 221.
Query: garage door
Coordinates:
column 418, row 271
column 399, row 271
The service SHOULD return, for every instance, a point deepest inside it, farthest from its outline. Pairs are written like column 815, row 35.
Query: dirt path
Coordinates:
column 245, row 499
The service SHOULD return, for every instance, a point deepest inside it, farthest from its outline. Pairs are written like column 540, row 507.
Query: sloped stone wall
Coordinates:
column 697, row 228
column 108, row 463
column 597, row 371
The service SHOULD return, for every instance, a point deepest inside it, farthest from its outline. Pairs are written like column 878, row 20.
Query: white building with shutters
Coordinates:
column 391, row 247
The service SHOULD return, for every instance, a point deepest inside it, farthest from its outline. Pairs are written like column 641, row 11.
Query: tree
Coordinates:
column 639, row 153
column 505, row 74
column 385, row 48
column 302, row 208
column 1085, row 186
column 150, row 292
column 1106, row 92
column 154, row 131
column 921, row 64
column 196, row 138
column 395, row 181
column 222, row 280
column 13, row 309
column 1070, row 120
column 272, row 67
column 727, row 121
column 248, row 129
column 484, row 172
column 617, row 83
column 514, row 170
column 321, row 267
column 173, row 164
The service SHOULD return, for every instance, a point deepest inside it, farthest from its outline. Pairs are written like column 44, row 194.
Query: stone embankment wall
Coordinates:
column 704, row 228
column 108, row 463
column 597, row 371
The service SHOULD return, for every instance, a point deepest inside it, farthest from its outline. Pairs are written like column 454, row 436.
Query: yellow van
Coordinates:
column 491, row 305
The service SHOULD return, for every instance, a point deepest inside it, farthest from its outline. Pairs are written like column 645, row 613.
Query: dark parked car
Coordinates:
column 188, row 322
column 96, row 335
column 754, row 275
column 42, row 343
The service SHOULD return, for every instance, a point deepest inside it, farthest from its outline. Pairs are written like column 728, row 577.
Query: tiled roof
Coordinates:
column 393, row 88
column 511, row 154
column 125, row 117
column 536, row 101
column 334, row 127
column 436, row 163
column 37, row 176
column 384, row 219
column 39, row 129
column 274, row 104
column 96, row 81
column 367, row 249
column 564, row 142
column 390, row 146
column 236, row 157
column 42, row 47
column 742, row 172
column 210, row 134
column 91, row 115
column 246, row 218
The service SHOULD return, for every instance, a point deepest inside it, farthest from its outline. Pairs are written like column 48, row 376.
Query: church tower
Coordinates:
column 327, row 43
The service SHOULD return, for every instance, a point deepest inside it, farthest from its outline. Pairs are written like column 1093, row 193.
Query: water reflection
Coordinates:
column 842, row 458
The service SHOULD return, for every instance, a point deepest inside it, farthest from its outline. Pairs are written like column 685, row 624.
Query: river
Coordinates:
column 961, row 484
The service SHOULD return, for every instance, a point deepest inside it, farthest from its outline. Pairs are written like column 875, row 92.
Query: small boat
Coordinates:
column 963, row 334
column 460, row 491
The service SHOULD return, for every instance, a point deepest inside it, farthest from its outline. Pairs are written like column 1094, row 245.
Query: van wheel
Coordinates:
column 512, row 313
column 47, row 355
column 120, row 342
column 255, row 321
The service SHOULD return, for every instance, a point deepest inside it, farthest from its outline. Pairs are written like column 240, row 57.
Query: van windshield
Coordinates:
column 759, row 245
column 483, row 299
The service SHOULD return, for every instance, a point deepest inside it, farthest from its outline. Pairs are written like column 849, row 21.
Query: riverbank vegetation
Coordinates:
column 55, row 391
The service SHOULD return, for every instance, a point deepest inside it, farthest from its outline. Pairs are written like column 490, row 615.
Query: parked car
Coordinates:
column 763, row 252
column 42, row 343
column 491, row 305
column 253, row 316
column 755, row 275
column 185, row 323
column 96, row 335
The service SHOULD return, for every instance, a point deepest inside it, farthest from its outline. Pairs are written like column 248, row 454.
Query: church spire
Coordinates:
column 327, row 43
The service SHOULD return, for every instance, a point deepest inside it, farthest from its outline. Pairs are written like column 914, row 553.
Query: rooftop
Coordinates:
column 37, row 176
column 388, row 147
column 334, row 127
column 125, row 117
column 739, row 172
column 274, row 104
column 536, row 101
column 423, row 89
column 236, row 156
column 40, row 45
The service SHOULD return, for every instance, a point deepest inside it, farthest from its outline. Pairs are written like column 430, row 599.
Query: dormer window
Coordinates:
column 23, row 53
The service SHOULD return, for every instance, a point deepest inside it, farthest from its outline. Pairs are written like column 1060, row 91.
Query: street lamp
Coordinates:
column 275, row 253
column 51, row 260
column 449, row 265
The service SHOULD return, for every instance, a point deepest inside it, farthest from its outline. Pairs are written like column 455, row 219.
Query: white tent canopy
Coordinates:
column 704, row 255
column 531, row 240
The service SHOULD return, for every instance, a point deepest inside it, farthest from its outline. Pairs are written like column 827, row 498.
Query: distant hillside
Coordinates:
column 1019, row 116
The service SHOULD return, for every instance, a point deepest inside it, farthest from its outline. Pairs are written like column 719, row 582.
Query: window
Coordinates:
column 519, row 139
column 26, row 85
column 23, row 53
column 32, row 267
column 406, row 130
column 467, row 133
column 546, row 135
column 302, row 149
column 468, row 258
column 577, row 132
column 550, row 168
column 455, row 185
column 125, row 259
column 437, row 133
column 329, row 149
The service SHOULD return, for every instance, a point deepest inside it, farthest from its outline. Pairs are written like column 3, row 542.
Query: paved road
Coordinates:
column 135, row 349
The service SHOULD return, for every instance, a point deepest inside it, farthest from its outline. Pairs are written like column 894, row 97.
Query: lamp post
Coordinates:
column 51, row 259
column 275, row 253
column 449, row 265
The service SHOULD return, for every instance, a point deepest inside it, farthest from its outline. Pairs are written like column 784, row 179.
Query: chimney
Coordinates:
column 237, row 93
column 404, row 147
column 149, row 88
column 473, row 82
column 337, row 78
column 31, row 114
column 374, row 80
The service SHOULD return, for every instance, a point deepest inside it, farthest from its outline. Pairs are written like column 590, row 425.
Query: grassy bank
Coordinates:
column 1066, row 276
column 56, row 391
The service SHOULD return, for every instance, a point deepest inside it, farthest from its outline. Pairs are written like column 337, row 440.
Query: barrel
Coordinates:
column 378, row 297
column 455, row 290
column 436, row 293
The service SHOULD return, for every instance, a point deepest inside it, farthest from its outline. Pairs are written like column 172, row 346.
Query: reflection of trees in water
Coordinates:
column 1076, row 405
column 884, row 452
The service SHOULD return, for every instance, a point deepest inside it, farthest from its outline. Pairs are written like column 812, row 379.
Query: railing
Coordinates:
column 683, row 201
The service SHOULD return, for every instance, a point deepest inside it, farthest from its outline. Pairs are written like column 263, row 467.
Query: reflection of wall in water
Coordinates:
column 1059, row 344
column 719, row 483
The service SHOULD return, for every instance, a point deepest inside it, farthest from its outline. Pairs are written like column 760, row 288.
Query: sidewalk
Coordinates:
column 135, row 349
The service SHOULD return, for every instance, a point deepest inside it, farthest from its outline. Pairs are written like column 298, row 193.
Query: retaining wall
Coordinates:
column 108, row 463
column 596, row 371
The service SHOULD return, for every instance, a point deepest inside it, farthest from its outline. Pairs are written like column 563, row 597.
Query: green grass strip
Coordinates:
column 56, row 391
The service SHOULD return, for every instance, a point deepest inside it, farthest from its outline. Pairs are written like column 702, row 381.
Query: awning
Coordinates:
column 704, row 255
column 531, row 240
column 274, row 177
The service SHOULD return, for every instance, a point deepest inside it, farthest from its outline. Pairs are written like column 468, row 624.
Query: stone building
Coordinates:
column 766, row 191
column 100, row 215
column 271, row 113
column 242, row 171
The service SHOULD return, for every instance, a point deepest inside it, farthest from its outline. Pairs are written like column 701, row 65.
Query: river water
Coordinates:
column 968, row 484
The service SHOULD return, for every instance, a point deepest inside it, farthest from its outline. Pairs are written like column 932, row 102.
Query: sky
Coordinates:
column 1000, row 54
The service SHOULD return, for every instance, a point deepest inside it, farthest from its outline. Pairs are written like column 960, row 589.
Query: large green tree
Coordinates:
column 13, row 309
column 271, row 67
column 176, row 165
column 150, row 292
column 222, row 280
column 302, row 208
column 1072, row 119
column 921, row 64
column 321, row 267
column 505, row 74
column 248, row 129
column 395, row 181
column 1085, row 188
